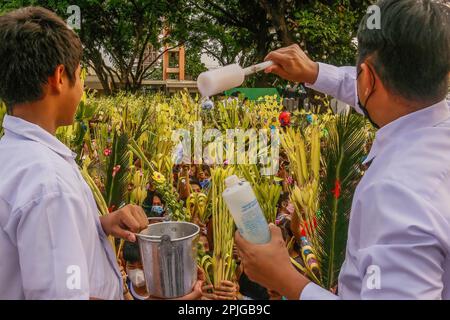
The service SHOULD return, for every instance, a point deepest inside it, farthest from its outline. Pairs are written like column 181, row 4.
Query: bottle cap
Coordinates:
column 231, row 181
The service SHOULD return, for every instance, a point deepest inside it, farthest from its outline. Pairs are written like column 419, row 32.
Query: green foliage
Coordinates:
column 119, row 36
column 117, row 172
column 266, row 189
column 2, row 115
column 342, row 156
column 245, row 31
column 194, row 65
column 117, row 33
column 326, row 31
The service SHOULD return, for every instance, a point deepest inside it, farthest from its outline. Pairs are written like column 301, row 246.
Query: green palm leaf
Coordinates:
column 115, row 188
column 343, row 154
column 2, row 115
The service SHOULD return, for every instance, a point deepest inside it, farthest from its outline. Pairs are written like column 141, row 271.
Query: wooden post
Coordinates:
column 165, row 64
column 181, row 63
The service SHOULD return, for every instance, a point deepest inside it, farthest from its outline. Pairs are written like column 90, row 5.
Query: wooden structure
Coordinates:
column 169, row 58
column 169, row 86
column 173, row 63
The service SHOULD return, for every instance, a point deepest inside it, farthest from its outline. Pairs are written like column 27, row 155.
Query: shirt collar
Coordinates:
column 34, row 132
column 427, row 117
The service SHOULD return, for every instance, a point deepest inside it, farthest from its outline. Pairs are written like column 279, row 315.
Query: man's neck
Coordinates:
column 404, row 107
column 38, row 114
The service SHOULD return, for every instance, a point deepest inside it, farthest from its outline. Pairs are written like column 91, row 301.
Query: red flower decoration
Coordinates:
column 289, row 180
column 305, row 227
column 285, row 118
column 107, row 152
column 302, row 232
column 115, row 170
column 337, row 189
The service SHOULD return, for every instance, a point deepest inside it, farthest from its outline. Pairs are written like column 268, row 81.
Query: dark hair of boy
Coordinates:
column 33, row 42
column 131, row 252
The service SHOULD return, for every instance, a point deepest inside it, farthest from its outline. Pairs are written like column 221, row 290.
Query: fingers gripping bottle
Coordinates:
column 245, row 209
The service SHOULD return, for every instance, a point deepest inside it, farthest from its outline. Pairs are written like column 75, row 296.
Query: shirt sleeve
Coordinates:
column 338, row 82
column 402, row 252
column 313, row 292
column 53, row 261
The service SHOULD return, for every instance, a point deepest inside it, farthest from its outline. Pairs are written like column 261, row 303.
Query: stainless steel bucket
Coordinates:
column 168, row 252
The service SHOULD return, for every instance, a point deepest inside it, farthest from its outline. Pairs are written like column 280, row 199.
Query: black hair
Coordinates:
column 131, row 252
column 283, row 197
column 148, row 202
column 235, row 94
column 193, row 180
column 33, row 42
column 411, row 50
column 206, row 168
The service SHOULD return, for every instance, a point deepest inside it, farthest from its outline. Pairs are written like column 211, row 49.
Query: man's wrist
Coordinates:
column 292, row 284
column 314, row 72
column 105, row 223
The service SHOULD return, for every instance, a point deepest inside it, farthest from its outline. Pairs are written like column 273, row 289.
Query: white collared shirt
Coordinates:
column 51, row 241
column 399, row 232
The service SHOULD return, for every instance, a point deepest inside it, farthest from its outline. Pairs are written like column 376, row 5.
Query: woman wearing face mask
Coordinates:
column 154, row 205
column 135, row 272
column 204, row 177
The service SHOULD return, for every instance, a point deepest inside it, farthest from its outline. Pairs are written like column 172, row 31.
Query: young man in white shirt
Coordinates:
column 53, row 243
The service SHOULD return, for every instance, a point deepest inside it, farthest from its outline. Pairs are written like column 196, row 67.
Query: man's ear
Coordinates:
column 56, row 80
column 367, row 79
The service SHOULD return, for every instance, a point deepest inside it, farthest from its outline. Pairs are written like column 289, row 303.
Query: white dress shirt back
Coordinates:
column 399, row 232
column 51, row 240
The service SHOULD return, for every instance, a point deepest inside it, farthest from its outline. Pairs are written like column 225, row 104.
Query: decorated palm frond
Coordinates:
column 267, row 190
column 99, row 199
column 163, row 186
column 343, row 153
column 117, row 175
column 303, row 151
column 138, row 184
column 221, row 265
column 196, row 205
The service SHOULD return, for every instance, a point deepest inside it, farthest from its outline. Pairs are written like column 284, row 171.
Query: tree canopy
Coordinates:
column 121, row 37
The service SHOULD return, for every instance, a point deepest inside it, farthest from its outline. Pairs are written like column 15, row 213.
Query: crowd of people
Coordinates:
column 192, row 178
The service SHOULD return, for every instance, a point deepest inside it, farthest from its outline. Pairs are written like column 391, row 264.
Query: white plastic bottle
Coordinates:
column 212, row 82
column 245, row 209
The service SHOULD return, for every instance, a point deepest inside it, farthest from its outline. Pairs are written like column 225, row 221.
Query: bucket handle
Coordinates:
column 167, row 260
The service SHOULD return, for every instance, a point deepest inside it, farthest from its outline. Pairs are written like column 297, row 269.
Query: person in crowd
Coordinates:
column 285, row 207
column 207, row 104
column 153, row 205
column 204, row 177
column 195, row 185
column 134, row 271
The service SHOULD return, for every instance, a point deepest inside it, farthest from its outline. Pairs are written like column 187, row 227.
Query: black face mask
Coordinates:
column 361, row 106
